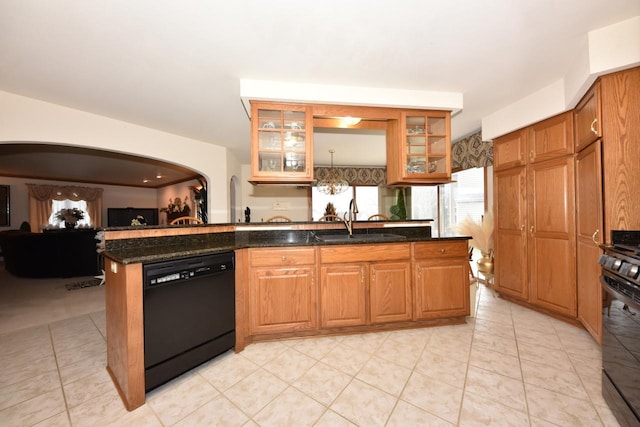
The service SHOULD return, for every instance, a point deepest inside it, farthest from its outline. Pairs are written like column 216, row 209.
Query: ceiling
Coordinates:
column 176, row 66
column 75, row 164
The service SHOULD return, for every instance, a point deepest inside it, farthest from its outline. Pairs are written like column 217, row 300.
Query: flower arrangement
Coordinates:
column 139, row 220
column 70, row 215
column 177, row 206
column 481, row 233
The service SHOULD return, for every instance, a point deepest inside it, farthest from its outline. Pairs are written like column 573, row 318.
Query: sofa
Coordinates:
column 59, row 253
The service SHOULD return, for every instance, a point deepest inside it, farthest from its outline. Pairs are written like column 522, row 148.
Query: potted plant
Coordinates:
column 70, row 216
column 177, row 208
column 481, row 238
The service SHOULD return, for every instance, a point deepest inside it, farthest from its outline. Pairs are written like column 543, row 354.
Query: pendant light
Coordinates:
column 333, row 183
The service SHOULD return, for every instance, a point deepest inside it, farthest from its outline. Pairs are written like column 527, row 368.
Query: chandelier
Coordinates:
column 332, row 183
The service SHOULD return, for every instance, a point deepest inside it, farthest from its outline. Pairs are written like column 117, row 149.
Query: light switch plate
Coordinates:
column 114, row 267
column 281, row 206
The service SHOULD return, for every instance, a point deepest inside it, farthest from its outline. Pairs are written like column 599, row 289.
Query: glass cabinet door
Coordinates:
column 282, row 146
column 425, row 141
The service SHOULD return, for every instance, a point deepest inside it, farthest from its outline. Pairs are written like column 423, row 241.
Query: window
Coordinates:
column 424, row 204
column 445, row 204
column 69, row 204
column 366, row 199
column 462, row 198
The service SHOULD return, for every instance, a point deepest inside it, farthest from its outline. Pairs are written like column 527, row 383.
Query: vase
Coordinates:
column 485, row 263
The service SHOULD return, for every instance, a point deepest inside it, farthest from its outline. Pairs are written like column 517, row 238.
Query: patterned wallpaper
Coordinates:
column 471, row 152
column 355, row 176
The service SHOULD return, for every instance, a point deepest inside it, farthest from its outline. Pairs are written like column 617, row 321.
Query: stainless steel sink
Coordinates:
column 360, row 237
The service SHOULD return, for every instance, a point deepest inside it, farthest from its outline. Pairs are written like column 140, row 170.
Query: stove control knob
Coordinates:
column 616, row 264
column 603, row 259
column 624, row 268
column 633, row 271
column 609, row 262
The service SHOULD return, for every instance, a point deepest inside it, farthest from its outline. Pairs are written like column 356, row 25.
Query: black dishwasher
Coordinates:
column 189, row 314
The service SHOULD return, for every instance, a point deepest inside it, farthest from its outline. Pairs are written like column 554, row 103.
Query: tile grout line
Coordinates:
column 524, row 388
column 55, row 356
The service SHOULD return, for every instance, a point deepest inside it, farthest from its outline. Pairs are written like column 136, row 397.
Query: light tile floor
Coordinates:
column 509, row 366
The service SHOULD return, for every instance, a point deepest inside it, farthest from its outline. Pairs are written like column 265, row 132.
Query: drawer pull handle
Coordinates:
column 442, row 251
column 593, row 126
column 284, row 258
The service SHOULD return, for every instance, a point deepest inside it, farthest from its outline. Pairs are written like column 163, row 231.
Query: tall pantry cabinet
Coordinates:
column 535, row 215
column 561, row 186
column 607, row 122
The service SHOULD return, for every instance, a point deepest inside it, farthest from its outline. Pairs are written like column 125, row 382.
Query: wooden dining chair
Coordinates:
column 279, row 218
column 186, row 220
column 330, row 217
column 378, row 217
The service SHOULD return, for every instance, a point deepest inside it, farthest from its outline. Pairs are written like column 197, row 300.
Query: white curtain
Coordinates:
column 41, row 197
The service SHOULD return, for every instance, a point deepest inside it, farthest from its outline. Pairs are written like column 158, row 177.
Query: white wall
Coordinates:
column 609, row 49
column 170, row 192
column 260, row 199
column 234, row 168
column 29, row 120
column 114, row 196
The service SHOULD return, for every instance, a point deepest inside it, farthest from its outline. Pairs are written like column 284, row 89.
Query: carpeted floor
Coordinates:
column 30, row 302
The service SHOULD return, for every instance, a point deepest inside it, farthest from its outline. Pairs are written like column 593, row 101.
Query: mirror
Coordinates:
column 353, row 147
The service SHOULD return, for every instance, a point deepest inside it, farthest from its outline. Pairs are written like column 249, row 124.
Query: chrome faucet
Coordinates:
column 351, row 216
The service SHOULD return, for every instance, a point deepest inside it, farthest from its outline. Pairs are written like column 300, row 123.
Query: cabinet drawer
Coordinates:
column 270, row 257
column 364, row 253
column 441, row 249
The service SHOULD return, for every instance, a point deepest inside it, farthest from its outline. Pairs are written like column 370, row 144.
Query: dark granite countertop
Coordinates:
column 151, row 249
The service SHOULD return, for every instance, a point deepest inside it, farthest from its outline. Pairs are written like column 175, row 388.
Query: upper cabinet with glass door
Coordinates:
column 282, row 143
column 419, row 148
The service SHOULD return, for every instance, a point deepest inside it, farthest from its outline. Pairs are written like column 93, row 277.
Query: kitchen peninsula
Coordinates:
column 292, row 280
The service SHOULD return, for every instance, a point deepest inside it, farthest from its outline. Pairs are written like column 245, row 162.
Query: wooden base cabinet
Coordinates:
column 282, row 290
column 342, row 295
column 441, row 279
column 330, row 289
column 365, row 284
column 390, row 291
column 365, row 293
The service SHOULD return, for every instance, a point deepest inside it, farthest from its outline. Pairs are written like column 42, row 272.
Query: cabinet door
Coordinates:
column 442, row 288
column 551, row 239
column 510, row 244
column 508, row 150
column 425, row 153
column 281, row 143
column 282, row 300
column 551, row 138
column 343, row 295
column 587, row 118
column 390, row 291
column 620, row 94
column 588, row 228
